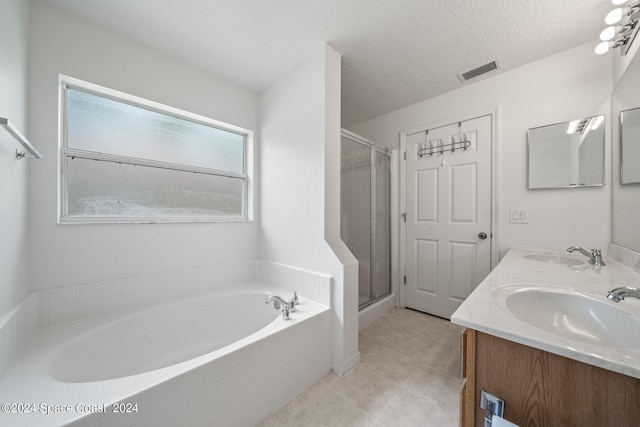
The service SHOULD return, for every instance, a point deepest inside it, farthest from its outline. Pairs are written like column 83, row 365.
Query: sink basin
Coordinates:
column 574, row 316
column 551, row 259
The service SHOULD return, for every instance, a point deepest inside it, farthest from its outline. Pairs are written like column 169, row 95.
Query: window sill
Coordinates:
column 94, row 221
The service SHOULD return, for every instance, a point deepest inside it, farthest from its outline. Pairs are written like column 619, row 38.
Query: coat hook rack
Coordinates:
column 33, row 152
column 441, row 147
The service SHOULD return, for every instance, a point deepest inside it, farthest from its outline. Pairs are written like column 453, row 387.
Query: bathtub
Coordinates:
column 215, row 359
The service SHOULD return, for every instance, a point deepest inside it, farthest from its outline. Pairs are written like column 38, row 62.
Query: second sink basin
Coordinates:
column 572, row 315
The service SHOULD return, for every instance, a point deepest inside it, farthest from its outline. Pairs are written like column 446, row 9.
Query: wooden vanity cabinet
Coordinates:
column 543, row 389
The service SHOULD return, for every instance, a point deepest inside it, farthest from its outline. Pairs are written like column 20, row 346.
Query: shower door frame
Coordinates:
column 372, row 211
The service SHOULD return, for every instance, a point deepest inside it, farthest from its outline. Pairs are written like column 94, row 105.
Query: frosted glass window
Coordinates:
column 126, row 159
column 108, row 189
column 96, row 123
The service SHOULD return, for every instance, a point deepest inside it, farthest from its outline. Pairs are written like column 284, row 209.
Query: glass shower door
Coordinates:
column 382, row 227
column 355, row 202
column 365, row 215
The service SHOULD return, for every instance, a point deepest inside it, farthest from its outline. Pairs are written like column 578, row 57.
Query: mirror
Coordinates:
column 625, row 203
column 630, row 146
column 569, row 154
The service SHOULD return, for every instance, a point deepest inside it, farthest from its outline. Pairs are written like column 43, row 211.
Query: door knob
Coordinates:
column 482, row 235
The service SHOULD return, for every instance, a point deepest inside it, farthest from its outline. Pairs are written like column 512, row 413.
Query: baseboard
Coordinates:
column 342, row 367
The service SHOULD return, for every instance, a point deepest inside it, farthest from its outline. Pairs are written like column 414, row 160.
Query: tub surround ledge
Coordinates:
column 481, row 312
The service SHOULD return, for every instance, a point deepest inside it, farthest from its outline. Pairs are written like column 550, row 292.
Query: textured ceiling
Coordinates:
column 394, row 52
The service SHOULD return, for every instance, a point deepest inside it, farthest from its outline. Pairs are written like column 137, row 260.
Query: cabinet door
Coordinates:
column 543, row 389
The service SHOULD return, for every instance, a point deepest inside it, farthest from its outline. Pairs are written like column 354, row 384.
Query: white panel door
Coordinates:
column 448, row 214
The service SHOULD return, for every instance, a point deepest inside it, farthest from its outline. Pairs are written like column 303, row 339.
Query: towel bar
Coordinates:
column 5, row 123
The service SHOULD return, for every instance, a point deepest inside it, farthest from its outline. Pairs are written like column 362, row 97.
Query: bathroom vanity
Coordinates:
column 542, row 335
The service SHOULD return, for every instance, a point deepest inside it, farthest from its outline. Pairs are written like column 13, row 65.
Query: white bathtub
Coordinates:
column 219, row 358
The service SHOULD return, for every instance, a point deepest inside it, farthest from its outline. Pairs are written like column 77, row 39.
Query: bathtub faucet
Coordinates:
column 287, row 306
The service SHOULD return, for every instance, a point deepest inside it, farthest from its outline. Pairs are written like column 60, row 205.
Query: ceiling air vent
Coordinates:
column 493, row 65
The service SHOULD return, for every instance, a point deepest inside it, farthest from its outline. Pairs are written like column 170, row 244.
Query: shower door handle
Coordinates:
column 482, row 235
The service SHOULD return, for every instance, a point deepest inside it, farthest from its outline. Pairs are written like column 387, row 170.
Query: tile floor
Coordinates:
column 409, row 376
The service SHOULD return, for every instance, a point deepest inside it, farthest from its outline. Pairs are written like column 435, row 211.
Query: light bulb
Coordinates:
column 597, row 122
column 614, row 16
column 619, row 2
column 573, row 126
column 602, row 47
column 608, row 33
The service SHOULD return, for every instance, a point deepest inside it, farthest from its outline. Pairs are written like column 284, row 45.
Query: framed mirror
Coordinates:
column 630, row 146
column 567, row 155
column 625, row 199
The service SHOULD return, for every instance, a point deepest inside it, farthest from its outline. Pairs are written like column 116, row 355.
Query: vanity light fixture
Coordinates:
column 577, row 126
column 622, row 27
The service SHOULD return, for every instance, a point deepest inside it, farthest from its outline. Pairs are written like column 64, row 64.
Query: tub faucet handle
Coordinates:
column 285, row 313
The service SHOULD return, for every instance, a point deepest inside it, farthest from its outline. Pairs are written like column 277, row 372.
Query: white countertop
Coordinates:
column 483, row 312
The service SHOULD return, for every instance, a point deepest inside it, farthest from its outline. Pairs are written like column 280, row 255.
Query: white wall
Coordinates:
column 13, row 173
column 63, row 255
column 300, row 137
column 573, row 84
column 345, row 298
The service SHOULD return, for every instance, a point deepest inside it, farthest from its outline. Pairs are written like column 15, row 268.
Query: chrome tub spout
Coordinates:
column 287, row 306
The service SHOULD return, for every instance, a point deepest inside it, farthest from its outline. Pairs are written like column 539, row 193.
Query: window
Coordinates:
column 126, row 159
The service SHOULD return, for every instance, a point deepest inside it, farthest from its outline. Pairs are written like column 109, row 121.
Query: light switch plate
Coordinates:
column 518, row 216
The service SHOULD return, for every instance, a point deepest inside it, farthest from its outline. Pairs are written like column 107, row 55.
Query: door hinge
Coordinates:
column 404, row 217
column 405, row 280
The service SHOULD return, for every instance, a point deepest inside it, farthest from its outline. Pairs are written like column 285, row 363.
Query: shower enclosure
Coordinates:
column 365, row 221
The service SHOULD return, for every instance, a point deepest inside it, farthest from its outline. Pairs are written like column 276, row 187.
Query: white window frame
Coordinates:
column 65, row 153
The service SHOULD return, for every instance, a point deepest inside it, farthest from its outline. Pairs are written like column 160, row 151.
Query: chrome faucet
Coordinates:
column 287, row 306
column 595, row 256
column 618, row 294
